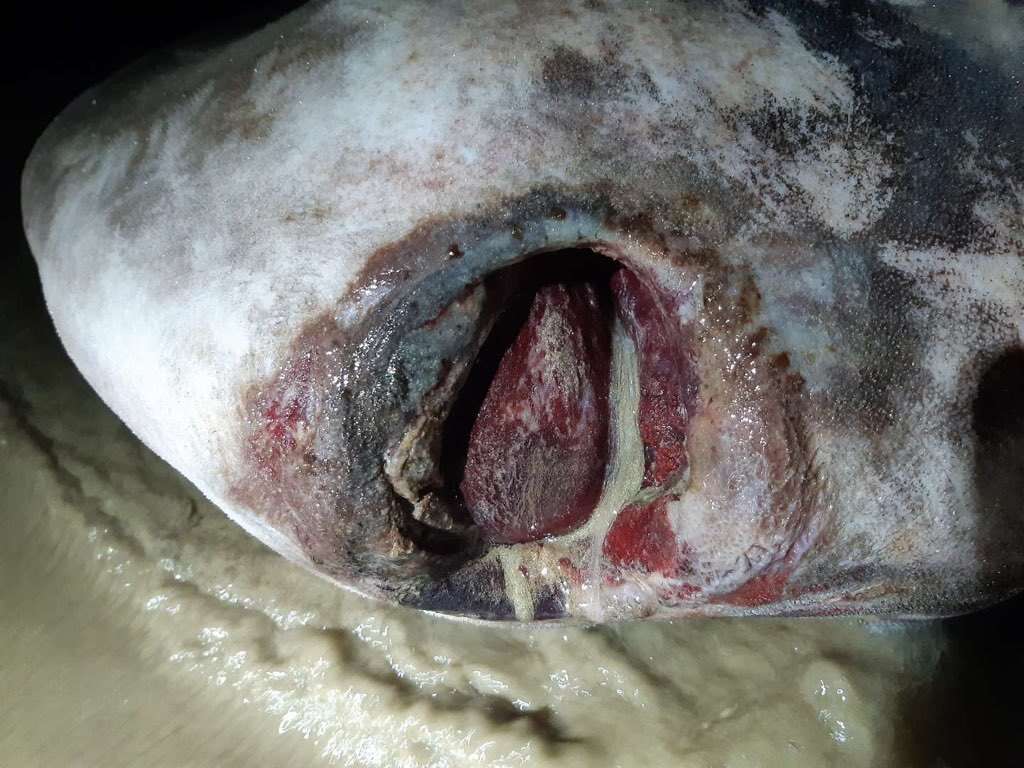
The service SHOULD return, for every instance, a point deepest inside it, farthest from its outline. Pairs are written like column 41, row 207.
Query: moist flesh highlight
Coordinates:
column 526, row 443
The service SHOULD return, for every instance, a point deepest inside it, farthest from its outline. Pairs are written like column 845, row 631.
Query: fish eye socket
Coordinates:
column 998, row 409
column 514, row 435
column 525, row 406
column 576, row 376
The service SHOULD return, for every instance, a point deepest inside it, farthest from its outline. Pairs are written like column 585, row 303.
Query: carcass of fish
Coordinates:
column 534, row 310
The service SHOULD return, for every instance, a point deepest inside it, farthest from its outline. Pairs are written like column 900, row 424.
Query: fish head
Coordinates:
column 537, row 311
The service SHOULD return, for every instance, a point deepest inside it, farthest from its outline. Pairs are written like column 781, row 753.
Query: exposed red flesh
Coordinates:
column 666, row 378
column 284, row 414
column 642, row 537
column 762, row 589
column 538, row 448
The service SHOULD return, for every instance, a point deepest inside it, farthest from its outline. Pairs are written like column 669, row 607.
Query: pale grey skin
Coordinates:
column 833, row 203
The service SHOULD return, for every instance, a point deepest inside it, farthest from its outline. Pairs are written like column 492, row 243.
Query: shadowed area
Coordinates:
column 998, row 421
column 970, row 713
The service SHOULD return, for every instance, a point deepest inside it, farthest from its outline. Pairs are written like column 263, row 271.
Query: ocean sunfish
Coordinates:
column 538, row 310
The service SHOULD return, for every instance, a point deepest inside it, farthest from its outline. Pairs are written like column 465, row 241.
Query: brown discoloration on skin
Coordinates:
column 572, row 84
column 749, row 304
column 567, row 72
column 233, row 114
column 780, row 361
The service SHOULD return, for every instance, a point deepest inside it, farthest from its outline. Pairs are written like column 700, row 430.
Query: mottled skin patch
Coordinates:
column 936, row 107
column 274, row 261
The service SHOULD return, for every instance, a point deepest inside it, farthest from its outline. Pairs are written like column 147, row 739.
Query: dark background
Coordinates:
column 971, row 715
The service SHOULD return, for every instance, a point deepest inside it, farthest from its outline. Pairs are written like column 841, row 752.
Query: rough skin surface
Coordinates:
column 271, row 259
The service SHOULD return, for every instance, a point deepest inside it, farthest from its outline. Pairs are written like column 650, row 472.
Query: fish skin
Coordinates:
column 239, row 246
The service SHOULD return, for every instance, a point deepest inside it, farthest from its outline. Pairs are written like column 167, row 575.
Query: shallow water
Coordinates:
column 139, row 626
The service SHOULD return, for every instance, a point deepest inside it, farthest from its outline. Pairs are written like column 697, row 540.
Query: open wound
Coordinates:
column 570, row 428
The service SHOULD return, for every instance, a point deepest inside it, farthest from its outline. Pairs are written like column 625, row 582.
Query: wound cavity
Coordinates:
column 538, row 448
